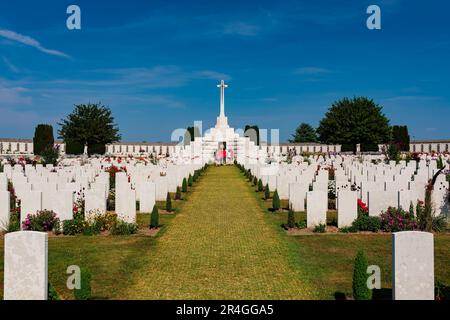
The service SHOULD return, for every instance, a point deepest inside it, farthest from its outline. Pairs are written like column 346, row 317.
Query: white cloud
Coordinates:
column 241, row 29
column 311, row 71
column 10, row 65
column 14, row 36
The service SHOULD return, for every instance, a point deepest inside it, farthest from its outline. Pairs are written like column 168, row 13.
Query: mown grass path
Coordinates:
column 220, row 247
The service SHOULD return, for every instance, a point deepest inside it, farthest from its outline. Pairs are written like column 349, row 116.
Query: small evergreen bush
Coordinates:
column 360, row 276
column 190, row 181
column 154, row 218
column 276, row 204
column 260, row 185
column 168, row 203
column 267, row 192
column 85, row 292
column 291, row 219
column 178, row 194
column 184, row 186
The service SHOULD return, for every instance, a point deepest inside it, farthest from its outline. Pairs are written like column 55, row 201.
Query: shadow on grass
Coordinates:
column 377, row 294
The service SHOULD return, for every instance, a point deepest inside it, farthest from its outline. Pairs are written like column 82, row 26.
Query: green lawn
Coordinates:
column 223, row 244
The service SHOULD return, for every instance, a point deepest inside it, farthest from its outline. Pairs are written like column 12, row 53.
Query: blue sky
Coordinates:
column 156, row 63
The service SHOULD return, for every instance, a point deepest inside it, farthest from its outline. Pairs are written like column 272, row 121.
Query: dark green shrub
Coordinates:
column 50, row 155
column 260, row 185
column 190, row 181
column 320, row 228
column 267, row 192
column 154, row 218
column 366, row 223
column 178, row 194
column 291, row 219
column 301, row 224
column 255, row 181
column 184, row 186
column 276, row 203
column 43, row 138
column 360, row 276
column 122, row 228
column 168, row 203
column 51, row 292
column 85, row 292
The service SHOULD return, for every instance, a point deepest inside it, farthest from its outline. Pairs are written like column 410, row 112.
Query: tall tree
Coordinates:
column 400, row 136
column 304, row 133
column 43, row 138
column 252, row 132
column 352, row 121
column 91, row 124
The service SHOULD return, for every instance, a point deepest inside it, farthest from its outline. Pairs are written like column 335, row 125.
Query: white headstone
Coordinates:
column 4, row 209
column 347, row 209
column 412, row 265
column 316, row 208
column 26, row 263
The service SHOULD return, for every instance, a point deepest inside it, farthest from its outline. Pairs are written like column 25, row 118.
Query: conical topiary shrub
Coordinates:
column 184, row 185
column 260, row 185
column 168, row 203
column 178, row 194
column 291, row 219
column 154, row 218
column 267, row 192
column 84, row 293
column 255, row 181
column 276, row 201
column 190, row 181
column 360, row 276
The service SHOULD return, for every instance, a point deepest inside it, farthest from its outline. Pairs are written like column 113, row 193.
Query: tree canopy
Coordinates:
column 304, row 133
column 400, row 136
column 43, row 138
column 91, row 124
column 352, row 121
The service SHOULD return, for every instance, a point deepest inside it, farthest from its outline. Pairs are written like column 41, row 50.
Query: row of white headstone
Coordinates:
column 26, row 266
column 58, row 188
column 379, row 185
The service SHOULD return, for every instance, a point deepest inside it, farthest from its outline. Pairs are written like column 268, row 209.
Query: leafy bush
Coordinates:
column 276, row 204
column 50, row 155
column 394, row 220
column 360, row 276
column 168, row 203
column 366, row 223
column 74, row 226
column 184, row 186
column 439, row 223
column 122, row 228
column 14, row 222
column 154, row 218
column 320, row 228
column 301, row 224
column 41, row 221
column 85, row 292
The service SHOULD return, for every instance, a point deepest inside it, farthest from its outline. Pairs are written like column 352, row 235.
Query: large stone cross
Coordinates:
column 222, row 87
